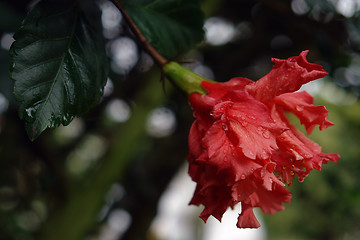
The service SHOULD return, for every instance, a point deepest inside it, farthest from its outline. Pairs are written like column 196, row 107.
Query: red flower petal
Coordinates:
column 302, row 105
column 227, row 89
column 254, row 129
column 195, row 136
column 286, row 76
column 222, row 153
column 216, row 200
column 271, row 202
column 247, row 218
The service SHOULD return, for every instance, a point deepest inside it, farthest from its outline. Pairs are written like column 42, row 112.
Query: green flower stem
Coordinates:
column 184, row 78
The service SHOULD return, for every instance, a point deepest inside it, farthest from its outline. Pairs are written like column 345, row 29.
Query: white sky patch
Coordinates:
column 313, row 87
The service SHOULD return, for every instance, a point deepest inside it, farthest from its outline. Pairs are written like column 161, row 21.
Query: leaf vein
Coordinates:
column 59, row 69
column 41, row 40
column 40, row 63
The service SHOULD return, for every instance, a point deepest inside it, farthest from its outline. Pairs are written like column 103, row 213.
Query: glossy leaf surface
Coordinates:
column 58, row 64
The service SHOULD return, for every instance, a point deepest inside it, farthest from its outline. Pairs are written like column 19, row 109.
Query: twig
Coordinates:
column 159, row 59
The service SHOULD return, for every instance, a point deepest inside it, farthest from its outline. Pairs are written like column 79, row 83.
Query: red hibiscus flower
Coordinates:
column 242, row 146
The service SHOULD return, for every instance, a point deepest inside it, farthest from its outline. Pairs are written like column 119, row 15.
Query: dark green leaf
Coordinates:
column 171, row 26
column 58, row 64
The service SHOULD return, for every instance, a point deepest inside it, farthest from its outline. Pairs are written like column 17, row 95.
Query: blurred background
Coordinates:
column 134, row 142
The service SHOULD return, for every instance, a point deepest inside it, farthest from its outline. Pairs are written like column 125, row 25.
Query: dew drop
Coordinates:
column 67, row 118
column 54, row 122
column 244, row 124
column 251, row 154
column 242, row 177
column 260, row 129
column 266, row 134
column 225, row 127
column 225, row 159
column 30, row 113
column 271, row 181
column 300, row 108
column 215, row 114
column 264, row 154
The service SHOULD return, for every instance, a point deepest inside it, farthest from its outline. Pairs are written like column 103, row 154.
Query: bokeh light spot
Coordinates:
column 118, row 110
column 124, row 55
column 161, row 122
column 218, row 31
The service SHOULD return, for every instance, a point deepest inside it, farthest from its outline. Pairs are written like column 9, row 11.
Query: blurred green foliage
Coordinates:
column 37, row 182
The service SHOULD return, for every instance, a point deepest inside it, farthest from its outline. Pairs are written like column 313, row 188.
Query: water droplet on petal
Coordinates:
column 260, row 129
column 225, row 127
column 225, row 159
column 242, row 177
column 251, row 154
column 244, row 124
column 215, row 114
column 266, row 134
column 300, row 108
column 264, row 154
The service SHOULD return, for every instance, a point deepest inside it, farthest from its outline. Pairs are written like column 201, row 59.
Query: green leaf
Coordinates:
column 171, row 26
column 59, row 65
